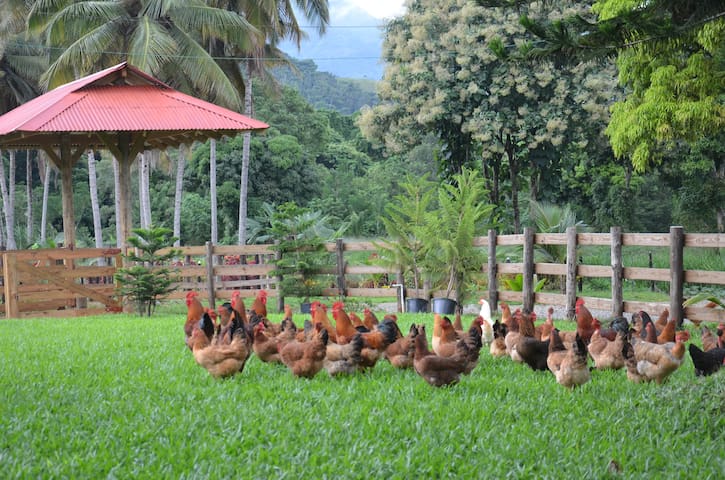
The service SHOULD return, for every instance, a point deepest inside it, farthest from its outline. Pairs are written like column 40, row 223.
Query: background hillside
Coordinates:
column 326, row 91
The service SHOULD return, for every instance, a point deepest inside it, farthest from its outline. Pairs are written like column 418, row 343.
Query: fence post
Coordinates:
column 210, row 274
column 10, row 278
column 617, row 271
column 677, row 273
column 529, row 235
column 571, row 264
column 492, row 271
column 280, row 293
column 339, row 250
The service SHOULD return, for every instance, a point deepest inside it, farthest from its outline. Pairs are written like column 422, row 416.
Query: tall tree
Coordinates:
column 165, row 38
column 443, row 78
column 275, row 20
column 670, row 59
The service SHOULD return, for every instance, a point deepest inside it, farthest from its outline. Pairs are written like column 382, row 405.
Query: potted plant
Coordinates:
column 448, row 237
column 300, row 235
column 404, row 221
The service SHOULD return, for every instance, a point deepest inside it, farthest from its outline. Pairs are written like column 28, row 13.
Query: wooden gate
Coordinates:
column 60, row 282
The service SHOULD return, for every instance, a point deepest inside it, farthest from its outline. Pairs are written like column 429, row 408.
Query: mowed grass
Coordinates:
column 121, row 396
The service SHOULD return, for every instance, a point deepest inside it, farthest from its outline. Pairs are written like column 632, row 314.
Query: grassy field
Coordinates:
column 121, row 397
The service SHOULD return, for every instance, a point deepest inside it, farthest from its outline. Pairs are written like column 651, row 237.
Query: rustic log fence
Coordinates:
column 60, row 282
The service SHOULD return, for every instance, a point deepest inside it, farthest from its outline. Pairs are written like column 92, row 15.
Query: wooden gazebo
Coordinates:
column 121, row 109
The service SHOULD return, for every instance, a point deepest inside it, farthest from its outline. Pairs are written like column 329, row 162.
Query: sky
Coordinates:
column 379, row 9
column 352, row 45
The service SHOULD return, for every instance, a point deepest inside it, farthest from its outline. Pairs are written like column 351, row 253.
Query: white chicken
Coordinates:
column 487, row 326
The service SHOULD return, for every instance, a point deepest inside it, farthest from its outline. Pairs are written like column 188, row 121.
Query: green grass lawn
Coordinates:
column 121, row 396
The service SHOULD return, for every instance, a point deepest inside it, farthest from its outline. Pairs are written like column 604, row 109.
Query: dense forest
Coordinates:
column 449, row 99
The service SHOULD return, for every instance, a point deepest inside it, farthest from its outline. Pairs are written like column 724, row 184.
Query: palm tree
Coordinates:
column 276, row 20
column 165, row 38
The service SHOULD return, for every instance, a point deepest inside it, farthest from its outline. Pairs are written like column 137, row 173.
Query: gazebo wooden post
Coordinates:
column 64, row 160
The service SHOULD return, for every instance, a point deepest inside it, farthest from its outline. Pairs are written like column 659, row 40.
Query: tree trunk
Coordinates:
column 510, row 150
column 144, row 167
column 44, row 207
column 178, row 193
column 212, row 192
column 242, row 240
column 720, row 211
column 7, row 186
column 117, row 202
column 29, row 196
column 95, row 208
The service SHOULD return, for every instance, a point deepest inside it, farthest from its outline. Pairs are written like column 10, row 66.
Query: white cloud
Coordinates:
column 375, row 8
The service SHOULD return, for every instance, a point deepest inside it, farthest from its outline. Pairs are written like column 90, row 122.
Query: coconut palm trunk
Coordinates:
column 29, row 197
column 212, row 192
column 7, row 186
column 95, row 208
column 243, row 190
column 45, row 172
column 180, row 163
column 117, row 201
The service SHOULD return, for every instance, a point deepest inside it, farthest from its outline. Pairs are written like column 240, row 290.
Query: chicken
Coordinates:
column 259, row 306
column 266, row 347
column 437, row 331
column 618, row 324
column 344, row 359
column 662, row 321
column 194, row 312
column 469, row 347
column 531, row 351
column 557, row 352
column 487, row 326
column 305, row 359
column 369, row 319
column 357, row 323
column 668, row 332
column 225, row 311
column 446, row 345
column 706, row 362
column 639, row 325
column 376, row 342
column 721, row 335
column 344, row 331
column 401, row 352
column 584, row 321
column 498, row 345
column 437, row 371
column 220, row 360
column 548, row 325
column 457, row 323
column 238, row 306
column 319, row 315
column 506, row 315
column 709, row 341
column 573, row 369
column 605, row 353
column 647, row 361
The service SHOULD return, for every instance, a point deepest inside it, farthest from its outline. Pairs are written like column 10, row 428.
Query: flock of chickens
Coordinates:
column 223, row 340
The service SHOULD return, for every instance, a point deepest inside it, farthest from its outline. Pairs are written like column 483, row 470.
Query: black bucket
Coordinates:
column 416, row 305
column 444, row 306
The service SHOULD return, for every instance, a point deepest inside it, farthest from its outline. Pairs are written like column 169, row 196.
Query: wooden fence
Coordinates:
column 62, row 282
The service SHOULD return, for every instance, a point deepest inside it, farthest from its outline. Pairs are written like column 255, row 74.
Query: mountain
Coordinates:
column 351, row 47
column 324, row 90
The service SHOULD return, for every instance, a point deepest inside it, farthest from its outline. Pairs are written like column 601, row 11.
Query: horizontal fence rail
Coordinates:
column 62, row 282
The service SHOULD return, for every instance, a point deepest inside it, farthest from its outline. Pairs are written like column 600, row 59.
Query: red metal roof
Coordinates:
column 119, row 99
